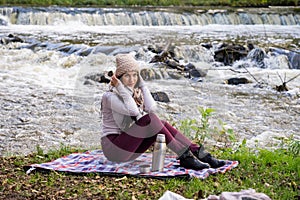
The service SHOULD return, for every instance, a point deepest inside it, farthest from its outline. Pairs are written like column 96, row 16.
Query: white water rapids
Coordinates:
column 44, row 101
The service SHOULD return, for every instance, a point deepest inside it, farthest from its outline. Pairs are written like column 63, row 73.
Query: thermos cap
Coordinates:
column 144, row 169
column 160, row 138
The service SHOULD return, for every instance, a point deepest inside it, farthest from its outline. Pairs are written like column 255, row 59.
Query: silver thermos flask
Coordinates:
column 159, row 152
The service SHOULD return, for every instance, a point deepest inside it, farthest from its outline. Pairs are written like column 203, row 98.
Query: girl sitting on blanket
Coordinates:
column 130, row 127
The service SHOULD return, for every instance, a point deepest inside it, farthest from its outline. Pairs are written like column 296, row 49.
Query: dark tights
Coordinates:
column 140, row 136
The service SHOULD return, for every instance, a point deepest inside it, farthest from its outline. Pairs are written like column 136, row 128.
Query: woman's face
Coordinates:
column 130, row 79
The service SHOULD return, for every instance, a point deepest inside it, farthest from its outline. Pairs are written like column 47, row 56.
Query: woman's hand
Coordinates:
column 141, row 81
column 114, row 81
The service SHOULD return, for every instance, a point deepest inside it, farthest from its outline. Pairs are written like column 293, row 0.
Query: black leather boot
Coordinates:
column 188, row 161
column 206, row 157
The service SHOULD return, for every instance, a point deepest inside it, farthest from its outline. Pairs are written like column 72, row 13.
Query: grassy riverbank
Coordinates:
column 275, row 173
column 234, row 3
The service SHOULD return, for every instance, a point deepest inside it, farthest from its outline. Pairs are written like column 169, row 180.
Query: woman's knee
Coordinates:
column 143, row 121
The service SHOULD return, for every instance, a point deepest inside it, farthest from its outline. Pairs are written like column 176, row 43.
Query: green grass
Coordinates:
column 275, row 173
column 237, row 3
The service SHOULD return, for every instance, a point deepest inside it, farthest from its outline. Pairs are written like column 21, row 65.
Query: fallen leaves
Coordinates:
column 15, row 184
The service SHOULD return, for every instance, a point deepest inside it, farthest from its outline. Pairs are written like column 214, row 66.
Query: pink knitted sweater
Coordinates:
column 118, row 106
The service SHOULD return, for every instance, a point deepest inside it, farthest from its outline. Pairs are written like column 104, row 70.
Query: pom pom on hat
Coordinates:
column 125, row 63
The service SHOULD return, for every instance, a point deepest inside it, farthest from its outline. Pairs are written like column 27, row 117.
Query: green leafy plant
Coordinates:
column 294, row 147
column 200, row 130
column 187, row 126
column 204, row 128
column 290, row 144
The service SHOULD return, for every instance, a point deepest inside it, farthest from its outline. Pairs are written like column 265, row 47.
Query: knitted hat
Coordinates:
column 125, row 63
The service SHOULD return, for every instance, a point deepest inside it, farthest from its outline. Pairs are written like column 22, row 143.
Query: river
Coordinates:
column 45, row 102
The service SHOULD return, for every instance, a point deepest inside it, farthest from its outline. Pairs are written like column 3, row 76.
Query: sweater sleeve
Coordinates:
column 126, row 105
column 150, row 104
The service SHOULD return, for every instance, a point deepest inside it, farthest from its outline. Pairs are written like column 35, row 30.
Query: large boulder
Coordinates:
column 160, row 96
column 198, row 69
column 293, row 56
column 229, row 53
column 10, row 38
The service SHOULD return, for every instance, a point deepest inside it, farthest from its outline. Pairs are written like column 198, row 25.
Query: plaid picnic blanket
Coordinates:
column 95, row 162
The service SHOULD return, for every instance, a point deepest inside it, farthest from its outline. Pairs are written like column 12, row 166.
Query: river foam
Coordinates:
column 45, row 102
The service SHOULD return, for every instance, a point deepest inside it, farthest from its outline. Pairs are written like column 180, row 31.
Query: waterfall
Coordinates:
column 142, row 17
